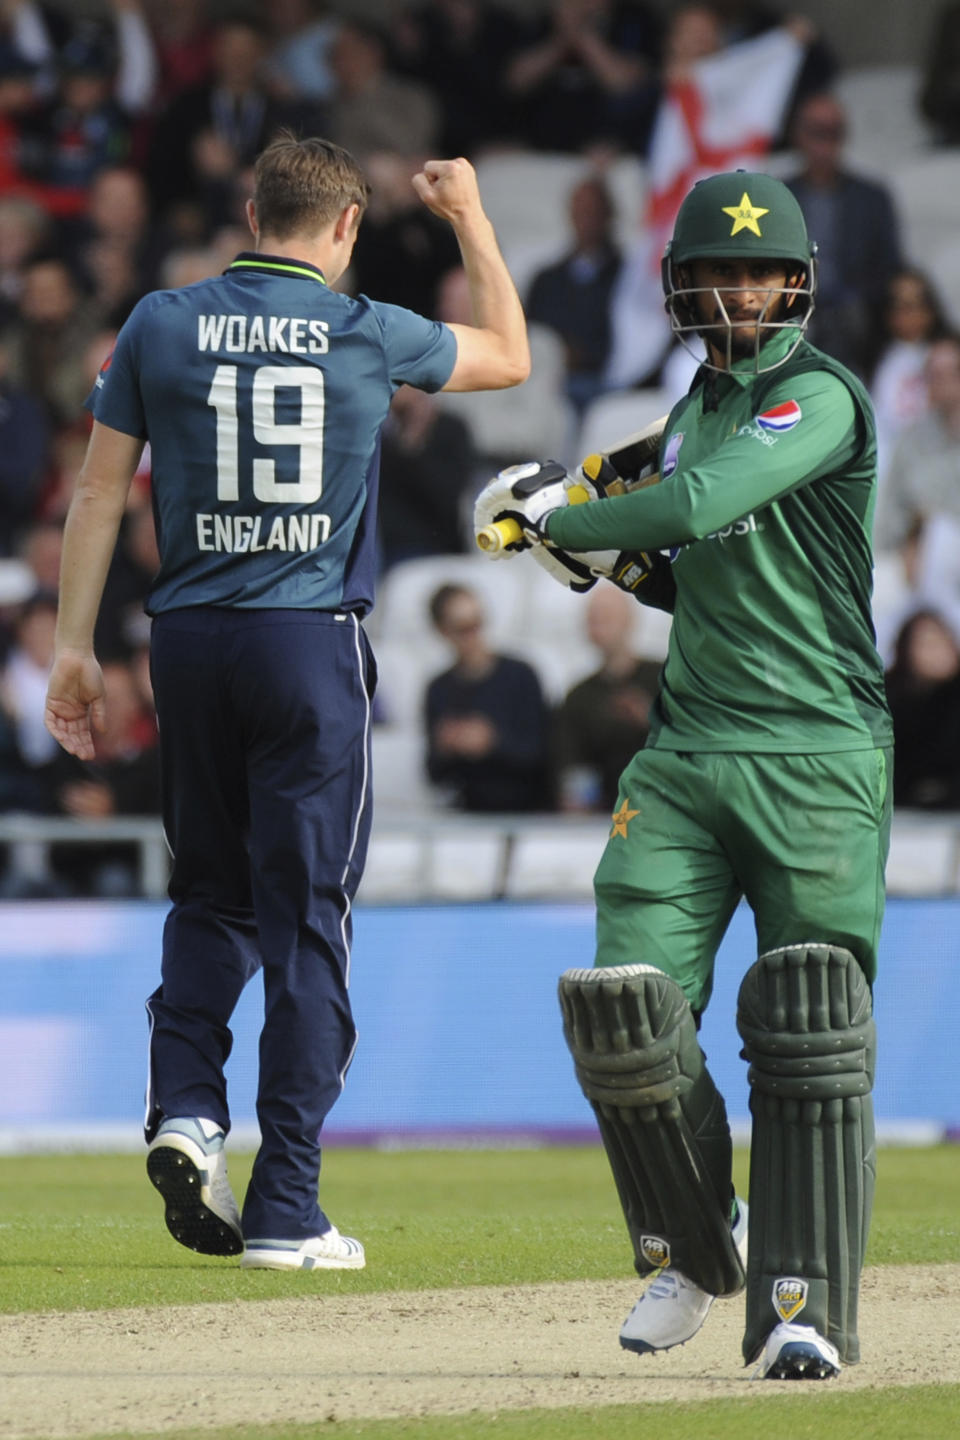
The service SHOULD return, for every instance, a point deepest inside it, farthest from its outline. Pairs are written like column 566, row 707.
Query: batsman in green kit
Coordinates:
column 766, row 777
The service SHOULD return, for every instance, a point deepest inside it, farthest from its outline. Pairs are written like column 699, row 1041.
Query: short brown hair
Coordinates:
column 303, row 185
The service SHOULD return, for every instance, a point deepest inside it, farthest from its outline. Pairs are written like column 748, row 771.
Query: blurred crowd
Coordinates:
column 127, row 136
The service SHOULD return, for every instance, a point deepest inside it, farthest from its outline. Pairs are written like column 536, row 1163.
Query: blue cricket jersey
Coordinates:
column 263, row 393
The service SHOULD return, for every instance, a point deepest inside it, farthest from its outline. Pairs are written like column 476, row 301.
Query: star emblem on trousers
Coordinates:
column 621, row 819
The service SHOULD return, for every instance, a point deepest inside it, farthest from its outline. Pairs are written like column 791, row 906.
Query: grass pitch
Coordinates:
column 84, row 1232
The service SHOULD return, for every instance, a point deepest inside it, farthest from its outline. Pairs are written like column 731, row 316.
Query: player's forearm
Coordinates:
column 496, row 309
column 89, row 539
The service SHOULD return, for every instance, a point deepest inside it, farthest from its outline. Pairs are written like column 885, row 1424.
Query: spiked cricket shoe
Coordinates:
column 672, row 1308
column 187, row 1163
column 329, row 1251
column 797, row 1352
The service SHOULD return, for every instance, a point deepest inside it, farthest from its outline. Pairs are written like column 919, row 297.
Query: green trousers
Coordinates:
column 803, row 838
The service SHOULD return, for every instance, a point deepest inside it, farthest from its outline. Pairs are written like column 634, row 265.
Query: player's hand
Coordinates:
column 511, row 511
column 449, row 189
column 75, row 703
column 593, row 479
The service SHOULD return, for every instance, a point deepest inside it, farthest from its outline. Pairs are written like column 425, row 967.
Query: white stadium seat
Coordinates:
column 884, row 117
column 619, row 413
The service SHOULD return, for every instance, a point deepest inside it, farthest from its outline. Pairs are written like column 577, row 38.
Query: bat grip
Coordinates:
column 496, row 537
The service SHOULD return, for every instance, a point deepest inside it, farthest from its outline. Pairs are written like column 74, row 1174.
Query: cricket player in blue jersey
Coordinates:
column 262, row 393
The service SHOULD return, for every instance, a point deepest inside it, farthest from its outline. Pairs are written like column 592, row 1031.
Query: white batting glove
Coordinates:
column 511, row 511
column 578, row 570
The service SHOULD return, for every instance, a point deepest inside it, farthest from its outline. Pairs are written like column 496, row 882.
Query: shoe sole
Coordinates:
column 188, row 1219
column 640, row 1347
column 799, row 1361
column 270, row 1260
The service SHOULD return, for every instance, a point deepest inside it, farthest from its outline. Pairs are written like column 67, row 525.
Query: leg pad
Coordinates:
column 805, row 1017
column 662, row 1121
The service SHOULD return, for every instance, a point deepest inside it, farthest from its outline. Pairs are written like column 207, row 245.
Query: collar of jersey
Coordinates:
column 277, row 265
column 743, row 371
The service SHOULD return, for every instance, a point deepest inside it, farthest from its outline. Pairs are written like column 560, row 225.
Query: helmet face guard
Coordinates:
column 739, row 216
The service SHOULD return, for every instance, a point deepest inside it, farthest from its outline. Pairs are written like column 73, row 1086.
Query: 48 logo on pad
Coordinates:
column 789, row 1296
column 655, row 1251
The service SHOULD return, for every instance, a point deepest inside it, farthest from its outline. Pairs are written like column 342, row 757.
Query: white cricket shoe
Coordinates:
column 672, row 1308
column 330, row 1251
column 669, row 1312
column 187, row 1163
column 797, row 1352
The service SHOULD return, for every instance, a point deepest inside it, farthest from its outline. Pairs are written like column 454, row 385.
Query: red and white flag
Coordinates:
column 724, row 114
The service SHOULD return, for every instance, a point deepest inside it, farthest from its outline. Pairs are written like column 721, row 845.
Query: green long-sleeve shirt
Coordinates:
column 766, row 503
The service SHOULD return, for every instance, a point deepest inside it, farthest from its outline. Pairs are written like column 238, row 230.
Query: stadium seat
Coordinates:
column 556, row 862
column 526, row 194
column 924, row 856
column 942, row 262
column 613, row 416
column 927, row 196
column 884, row 117
column 401, row 612
column 531, row 421
column 400, row 781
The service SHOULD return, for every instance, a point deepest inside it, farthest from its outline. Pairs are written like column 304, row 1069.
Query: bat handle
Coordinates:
column 496, row 537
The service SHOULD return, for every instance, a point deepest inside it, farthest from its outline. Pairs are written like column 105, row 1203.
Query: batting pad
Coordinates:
column 805, row 1016
column 662, row 1120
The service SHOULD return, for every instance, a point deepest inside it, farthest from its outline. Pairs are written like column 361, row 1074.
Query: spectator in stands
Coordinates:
column 23, row 685
column 460, row 48
column 20, row 100
column 940, row 83
column 123, row 780
column 24, row 229
column 372, row 107
column 923, row 690
column 183, row 44
column 573, row 295
column 911, row 318
column 41, row 549
column 133, row 569
column 117, row 222
column 402, row 249
column 428, row 467
column 855, row 225
column 105, row 81
column 25, row 33
column 743, row 19
column 55, row 321
column 923, row 476
column 25, row 436
column 604, row 720
column 302, row 33
column 188, row 264
column 711, row 115
column 112, row 279
column 486, row 718
column 67, row 449
column 213, row 130
column 584, row 74
column 530, row 422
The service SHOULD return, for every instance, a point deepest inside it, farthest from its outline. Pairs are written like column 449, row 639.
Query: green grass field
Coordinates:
column 85, row 1232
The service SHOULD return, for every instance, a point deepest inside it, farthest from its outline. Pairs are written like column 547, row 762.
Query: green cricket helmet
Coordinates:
column 739, row 215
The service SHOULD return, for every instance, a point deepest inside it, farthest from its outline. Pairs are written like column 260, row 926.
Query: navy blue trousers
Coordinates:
column 264, row 719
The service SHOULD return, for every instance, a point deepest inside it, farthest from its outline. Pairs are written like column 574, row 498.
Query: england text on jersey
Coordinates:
column 248, row 534
column 246, row 334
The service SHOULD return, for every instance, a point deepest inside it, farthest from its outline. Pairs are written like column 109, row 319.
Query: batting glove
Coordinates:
column 594, row 479
column 517, row 503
